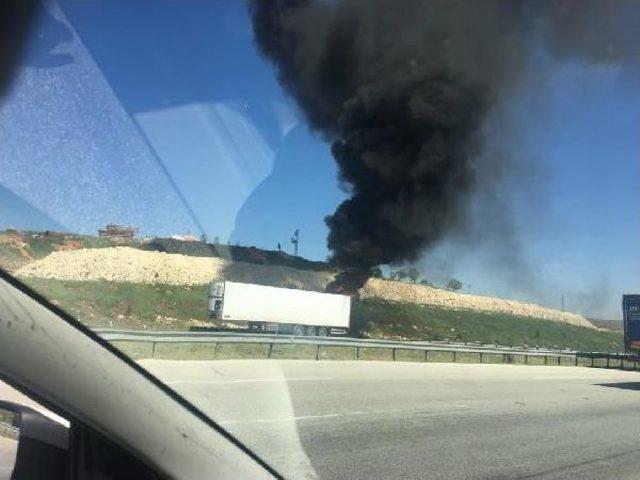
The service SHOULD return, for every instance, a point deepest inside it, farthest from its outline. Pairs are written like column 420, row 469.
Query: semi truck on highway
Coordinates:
column 279, row 310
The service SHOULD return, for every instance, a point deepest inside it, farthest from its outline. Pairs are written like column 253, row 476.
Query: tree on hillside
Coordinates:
column 413, row 274
column 454, row 285
column 426, row 283
column 376, row 272
column 399, row 274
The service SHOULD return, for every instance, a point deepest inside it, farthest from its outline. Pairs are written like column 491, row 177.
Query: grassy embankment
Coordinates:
column 127, row 305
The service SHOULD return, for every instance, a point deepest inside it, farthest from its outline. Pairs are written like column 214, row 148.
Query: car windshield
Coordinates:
column 370, row 239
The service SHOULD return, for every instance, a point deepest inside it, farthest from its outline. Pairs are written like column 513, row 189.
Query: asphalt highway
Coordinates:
column 363, row 420
column 381, row 420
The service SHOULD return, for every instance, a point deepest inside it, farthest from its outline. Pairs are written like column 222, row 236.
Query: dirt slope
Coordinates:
column 14, row 253
column 126, row 264
column 423, row 295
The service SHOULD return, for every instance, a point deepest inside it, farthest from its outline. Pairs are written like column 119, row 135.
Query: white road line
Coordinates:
column 336, row 415
column 288, row 419
column 251, row 380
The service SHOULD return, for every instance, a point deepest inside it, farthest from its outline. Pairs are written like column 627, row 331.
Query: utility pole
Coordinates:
column 295, row 240
column 562, row 302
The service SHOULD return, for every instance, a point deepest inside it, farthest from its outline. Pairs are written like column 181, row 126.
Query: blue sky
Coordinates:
column 163, row 115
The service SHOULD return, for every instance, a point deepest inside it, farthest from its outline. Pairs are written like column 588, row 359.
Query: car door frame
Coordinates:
column 54, row 359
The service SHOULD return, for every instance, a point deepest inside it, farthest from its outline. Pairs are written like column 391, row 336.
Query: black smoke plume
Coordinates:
column 401, row 89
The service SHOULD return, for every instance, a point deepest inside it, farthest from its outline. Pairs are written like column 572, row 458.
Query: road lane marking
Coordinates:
column 340, row 415
column 289, row 419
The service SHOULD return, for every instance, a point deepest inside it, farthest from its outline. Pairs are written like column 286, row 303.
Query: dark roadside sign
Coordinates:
column 631, row 316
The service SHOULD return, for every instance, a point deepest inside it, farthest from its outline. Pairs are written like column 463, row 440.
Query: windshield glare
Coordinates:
column 351, row 232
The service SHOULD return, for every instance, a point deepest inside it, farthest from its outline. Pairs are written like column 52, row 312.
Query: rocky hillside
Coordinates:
column 435, row 297
column 126, row 264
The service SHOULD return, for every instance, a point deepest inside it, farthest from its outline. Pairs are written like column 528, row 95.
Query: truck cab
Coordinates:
column 216, row 297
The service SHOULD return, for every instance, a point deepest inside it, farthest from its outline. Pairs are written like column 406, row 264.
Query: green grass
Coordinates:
column 467, row 357
column 6, row 416
column 378, row 319
column 186, row 351
column 135, row 350
column 298, row 352
column 126, row 305
column 11, row 258
column 337, row 353
column 410, row 355
column 158, row 307
column 440, row 357
column 7, row 419
column 376, row 354
column 492, row 358
column 242, row 350
column 227, row 351
column 40, row 247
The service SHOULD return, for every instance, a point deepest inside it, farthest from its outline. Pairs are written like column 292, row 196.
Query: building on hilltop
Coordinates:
column 185, row 238
column 118, row 233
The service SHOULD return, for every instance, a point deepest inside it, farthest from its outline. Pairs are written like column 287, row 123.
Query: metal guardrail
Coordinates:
column 626, row 361
column 241, row 337
column 234, row 337
column 508, row 354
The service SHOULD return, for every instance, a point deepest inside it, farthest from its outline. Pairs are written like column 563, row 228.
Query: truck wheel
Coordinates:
column 323, row 332
column 298, row 330
column 311, row 332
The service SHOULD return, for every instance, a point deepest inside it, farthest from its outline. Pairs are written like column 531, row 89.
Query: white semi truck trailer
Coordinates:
column 281, row 310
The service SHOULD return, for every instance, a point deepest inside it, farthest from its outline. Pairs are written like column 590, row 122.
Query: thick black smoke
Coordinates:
column 401, row 90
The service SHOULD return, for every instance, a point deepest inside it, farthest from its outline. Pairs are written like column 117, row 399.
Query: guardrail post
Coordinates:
column 558, row 360
column 576, row 360
column 526, row 359
column 357, row 353
column 481, row 357
column 593, row 363
column 546, row 360
column 454, row 356
column 393, row 354
column 153, row 349
column 318, row 352
column 215, row 350
column 270, row 350
column 426, row 355
column 607, row 362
